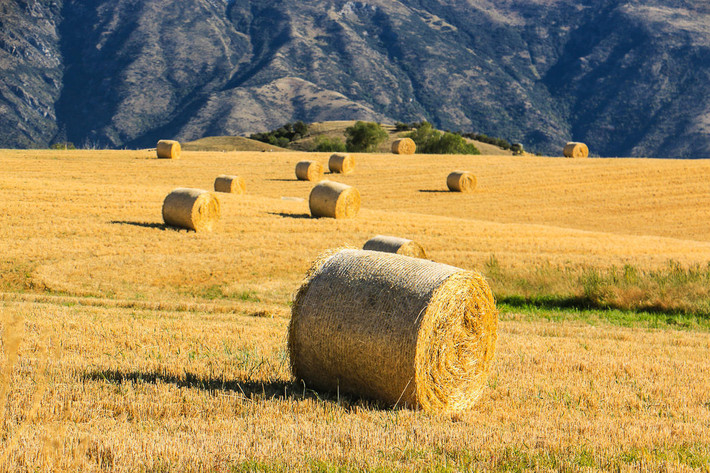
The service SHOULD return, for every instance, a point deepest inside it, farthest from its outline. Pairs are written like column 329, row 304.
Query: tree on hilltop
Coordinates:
column 432, row 141
column 364, row 136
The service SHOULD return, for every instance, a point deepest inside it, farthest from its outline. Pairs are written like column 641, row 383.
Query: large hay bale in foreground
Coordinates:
column 575, row 150
column 461, row 181
column 403, row 330
column 404, row 146
column 392, row 244
column 195, row 209
column 341, row 163
column 168, row 149
column 230, row 184
column 309, row 171
column 335, row 200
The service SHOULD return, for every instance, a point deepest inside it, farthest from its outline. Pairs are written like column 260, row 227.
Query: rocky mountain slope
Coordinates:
column 627, row 77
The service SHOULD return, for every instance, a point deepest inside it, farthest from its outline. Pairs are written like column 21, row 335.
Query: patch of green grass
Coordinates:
column 693, row 456
column 258, row 467
column 212, row 292
column 535, row 310
column 510, row 459
column 16, row 276
column 249, row 296
column 678, row 295
column 217, row 291
column 313, row 466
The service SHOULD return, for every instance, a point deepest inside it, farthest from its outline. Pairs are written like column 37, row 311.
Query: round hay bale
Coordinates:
column 391, row 244
column 575, row 150
column 230, row 184
column 334, row 200
column 168, row 149
column 195, row 209
column 341, row 163
column 406, row 331
column 404, row 146
column 309, row 171
column 461, row 181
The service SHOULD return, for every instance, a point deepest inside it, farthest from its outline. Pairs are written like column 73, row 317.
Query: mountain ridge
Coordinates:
column 627, row 77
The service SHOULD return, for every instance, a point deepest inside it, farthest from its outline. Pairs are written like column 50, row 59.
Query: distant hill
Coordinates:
column 228, row 143
column 624, row 76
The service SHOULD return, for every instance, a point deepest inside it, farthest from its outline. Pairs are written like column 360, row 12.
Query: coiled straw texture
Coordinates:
column 334, row 200
column 461, row 181
column 575, row 150
column 392, row 244
column 402, row 330
column 168, row 149
column 404, row 146
column 230, row 184
column 194, row 209
column 341, row 163
column 309, row 171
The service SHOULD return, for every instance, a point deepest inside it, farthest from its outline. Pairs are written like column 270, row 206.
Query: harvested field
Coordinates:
column 213, row 391
column 150, row 348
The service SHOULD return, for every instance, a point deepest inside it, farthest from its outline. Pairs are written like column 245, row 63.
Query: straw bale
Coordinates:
column 575, row 150
column 404, row 146
column 341, row 163
column 334, row 199
column 402, row 330
column 195, row 209
column 392, row 244
column 309, row 171
column 168, row 149
column 461, row 181
column 230, row 184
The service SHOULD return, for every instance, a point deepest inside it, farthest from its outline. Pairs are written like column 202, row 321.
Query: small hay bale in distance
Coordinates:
column 392, row 244
column 168, row 149
column 194, row 209
column 461, row 181
column 402, row 330
column 574, row 149
column 230, row 184
column 404, row 146
column 341, row 163
column 309, row 171
column 334, row 200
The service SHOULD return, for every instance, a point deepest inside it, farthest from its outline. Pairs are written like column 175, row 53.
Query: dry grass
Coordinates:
column 145, row 348
column 229, row 143
column 161, row 390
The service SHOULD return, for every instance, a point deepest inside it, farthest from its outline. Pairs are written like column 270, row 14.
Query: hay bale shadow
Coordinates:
column 159, row 226
column 289, row 215
column 435, row 191
column 252, row 390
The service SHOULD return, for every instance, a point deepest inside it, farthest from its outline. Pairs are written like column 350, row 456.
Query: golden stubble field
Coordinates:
column 143, row 348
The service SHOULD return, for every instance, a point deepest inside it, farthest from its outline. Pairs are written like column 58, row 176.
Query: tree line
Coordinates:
column 366, row 137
